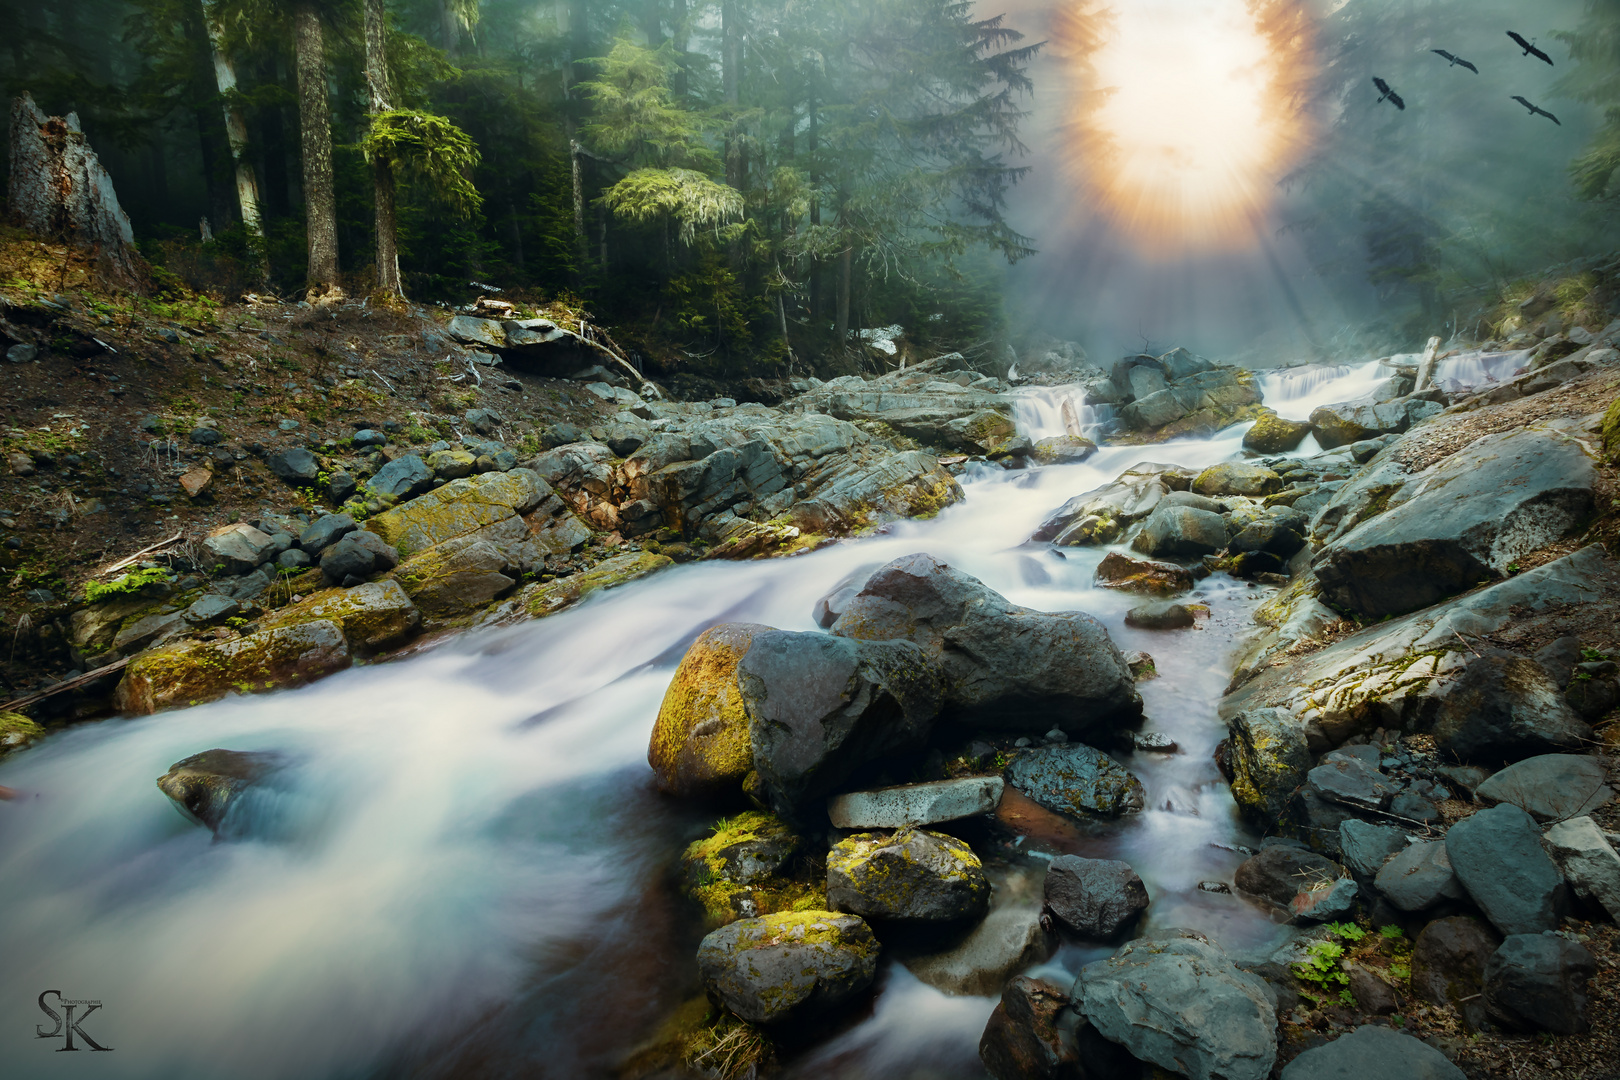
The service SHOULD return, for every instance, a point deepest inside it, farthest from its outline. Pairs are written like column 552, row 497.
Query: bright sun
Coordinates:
column 1185, row 113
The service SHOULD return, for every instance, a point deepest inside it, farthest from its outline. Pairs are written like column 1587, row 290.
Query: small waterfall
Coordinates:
column 1475, row 370
column 1296, row 392
column 1039, row 412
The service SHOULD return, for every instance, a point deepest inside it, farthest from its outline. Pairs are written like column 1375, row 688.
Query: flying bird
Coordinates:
column 1456, row 60
column 1535, row 111
column 1395, row 99
column 1529, row 48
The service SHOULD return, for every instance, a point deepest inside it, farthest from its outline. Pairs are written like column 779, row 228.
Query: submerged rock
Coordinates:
column 912, row 875
column 1005, row 666
column 1179, row 1003
column 1007, row 941
column 1076, row 780
column 206, row 786
column 789, row 966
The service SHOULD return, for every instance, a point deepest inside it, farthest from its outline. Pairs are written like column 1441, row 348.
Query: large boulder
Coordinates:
column 464, row 507
column 207, row 787
column 1419, row 877
column 1368, row 417
column 1537, row 982
column 912, row 875
column 1063, row 450
column 916, row 804
column 819, row 707
column 1448, row 964
column 1099, row 899
column 1120, row 571
column 1077, row 780
column 1460, row 522
column 1588, row 861
column 700, row 748
column 238, row 548
column 1179, row 1003
column 1497, row 856
column 1503, row 707
column 1005, row 666
column 1373, row 1053
column 789, row 966
column 195, row 672
column 1269, row 759
column 1036, row 1033
column 457, row 577
column 1550, row 787
column 373, row 616
column 1181, row 531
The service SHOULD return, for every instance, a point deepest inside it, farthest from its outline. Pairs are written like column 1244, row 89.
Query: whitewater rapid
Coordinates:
column 466, row 872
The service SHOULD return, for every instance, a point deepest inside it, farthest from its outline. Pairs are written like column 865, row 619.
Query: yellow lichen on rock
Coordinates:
column 700, row 745
column 372, row 616
column 196, row 672
column 458, row 508
column 17, row 732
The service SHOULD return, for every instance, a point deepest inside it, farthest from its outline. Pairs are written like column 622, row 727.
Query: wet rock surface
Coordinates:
column 789, row 966
column 1099, row 899
column 911, row 875
column 1076, row 780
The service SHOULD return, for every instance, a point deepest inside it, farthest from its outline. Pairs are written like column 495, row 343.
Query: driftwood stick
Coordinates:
column 121, row 563
column 63, row 686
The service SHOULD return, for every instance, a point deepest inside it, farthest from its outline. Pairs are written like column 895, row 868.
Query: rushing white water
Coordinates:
column 1039, row 412
column 1475, row 370
column 1295, row 392
column 465, row 871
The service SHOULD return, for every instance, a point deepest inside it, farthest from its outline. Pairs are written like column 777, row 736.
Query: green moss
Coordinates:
column 17, row 732
column 710, row 867
column 1611, row 432
column 129, row 583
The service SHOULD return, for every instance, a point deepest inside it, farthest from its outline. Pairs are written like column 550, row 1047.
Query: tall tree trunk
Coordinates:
column 846, row 270
column 815, row 207
column 579, row 38
column 449, row 28
column 382, row 170
column 679, row 85
column 652, row 22
column 731, row 90
column 315, row 136
column 201, row 89
column 247, row 184
column 581, row 252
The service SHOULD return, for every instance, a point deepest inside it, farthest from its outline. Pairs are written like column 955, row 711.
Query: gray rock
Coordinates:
column 1559, row 659
column 789, row 966
column 916, row 804
column 483, row 421
column 403, row 477
column 1504, row 708
column 1537, row 982
column 1588, row 862
column 1358, row 420
column 457, row 577
column 1180, row 531
column 1063, row 450
column 1160, row 616
column 357, row 555
column 1373, row 995
column 1282, row 872
column 206, row 436
column 474, row 331
column 758, row 853
column 239, row 548
column 293, row 559
column 212, row 609
column 1237, row 478
column 1365, row 847
column 819, row 707
column 1269, row 759
column 367, row 438
column 911, row 875
column 1076, row 780
column 341, row 486
column 1419, row 877
column 1497, row 856
column 1099, row 899
column 1460, row 522
column 1373, row 1053
column 1178, row 1003
column 1324, row 903
column 22, row 354
column 325, row 531
column 451, row 464
column 1551, row 787
column 149, row 631
column 1350, row 782
column 1448, row 964
column 1004, row 665
column 1591, row 694
column 1100, row 515
column 1007, row 941
column 296, row 465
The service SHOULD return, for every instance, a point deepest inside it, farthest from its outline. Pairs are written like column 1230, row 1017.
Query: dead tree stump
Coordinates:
column 58, row 189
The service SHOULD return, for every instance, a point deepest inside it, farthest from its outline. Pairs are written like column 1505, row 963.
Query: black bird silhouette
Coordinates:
column 1395, row 99
column 1529, row 48
column 1534, row 111
column 1456, row 60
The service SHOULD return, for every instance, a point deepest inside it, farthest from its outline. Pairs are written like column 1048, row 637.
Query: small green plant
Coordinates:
column 1400, row 971
column 1347, row 998
column 122, row 586
column 1592, row 656
column 1513, row 568
column 1321, row 965
column 1348, row 931
column 1392, row 932
column 236, row 622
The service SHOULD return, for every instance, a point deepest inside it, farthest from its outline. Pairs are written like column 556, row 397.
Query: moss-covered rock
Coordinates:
column 1237, row 478
column 456, row 577
column 1272, row 434
column 17, row 732
column 1611, row 431
column 548, row 598
column 95, row 626
column 700, row 745
column 1076, row 780
column 193, row 673
column 1268, row 759
column 458, row 508
column 749, row 867
column 1063, row 450
column 789, row 966
column 988, row 429
column 1120, row 571
column 372, row 616
column 913, row 875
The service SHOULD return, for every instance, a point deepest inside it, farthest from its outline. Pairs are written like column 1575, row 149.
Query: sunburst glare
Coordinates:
column 1185, row 113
